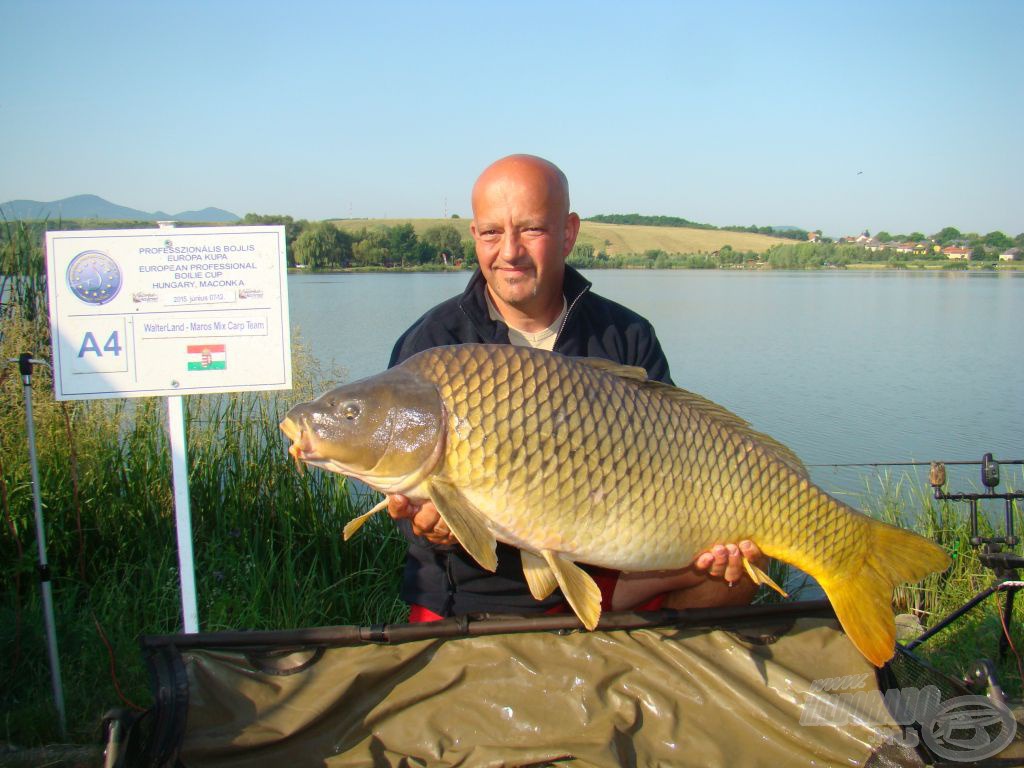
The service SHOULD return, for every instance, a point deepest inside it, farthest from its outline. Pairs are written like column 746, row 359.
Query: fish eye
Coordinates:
column 351, row 411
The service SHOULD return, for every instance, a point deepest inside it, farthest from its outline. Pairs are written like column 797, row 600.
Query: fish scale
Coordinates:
column 659, row 476
column 582, row 460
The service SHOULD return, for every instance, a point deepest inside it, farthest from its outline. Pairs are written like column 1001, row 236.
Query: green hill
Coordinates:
column 615, row 239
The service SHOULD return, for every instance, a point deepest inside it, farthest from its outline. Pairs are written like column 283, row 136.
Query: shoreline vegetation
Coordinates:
column 268, row 539
column 617, row 241
column 856, row 267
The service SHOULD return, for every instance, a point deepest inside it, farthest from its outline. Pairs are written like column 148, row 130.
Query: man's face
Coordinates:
column 523, row 234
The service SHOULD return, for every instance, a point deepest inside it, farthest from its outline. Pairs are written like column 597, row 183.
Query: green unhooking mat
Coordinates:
column 773, row 685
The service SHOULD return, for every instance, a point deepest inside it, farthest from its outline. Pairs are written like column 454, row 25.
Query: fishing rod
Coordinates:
column 914, row 463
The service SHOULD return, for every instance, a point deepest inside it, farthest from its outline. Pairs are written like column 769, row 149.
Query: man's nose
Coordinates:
column 511, row 245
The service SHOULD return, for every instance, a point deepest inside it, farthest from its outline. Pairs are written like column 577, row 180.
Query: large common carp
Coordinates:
column 581, row 460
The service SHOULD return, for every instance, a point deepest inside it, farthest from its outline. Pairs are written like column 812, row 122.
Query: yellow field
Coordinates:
column 615, row 239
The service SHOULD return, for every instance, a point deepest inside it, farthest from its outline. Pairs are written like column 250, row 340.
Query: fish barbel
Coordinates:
column 582, row 460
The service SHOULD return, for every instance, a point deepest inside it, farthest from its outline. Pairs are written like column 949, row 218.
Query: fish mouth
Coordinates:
column 304, row 451
column 301, row 448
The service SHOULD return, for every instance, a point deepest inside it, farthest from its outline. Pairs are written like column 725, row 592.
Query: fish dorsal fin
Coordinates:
column 630, row 372
column 539, row 576
column 721, row 415
column 578, row 587
column 466, row 523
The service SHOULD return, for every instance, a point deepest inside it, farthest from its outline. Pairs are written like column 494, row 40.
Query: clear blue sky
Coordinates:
column 893, row 116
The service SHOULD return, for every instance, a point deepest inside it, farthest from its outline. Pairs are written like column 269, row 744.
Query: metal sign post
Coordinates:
column 25, row 363
column 182, row 513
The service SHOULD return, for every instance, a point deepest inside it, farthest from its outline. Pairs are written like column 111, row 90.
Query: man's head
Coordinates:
column 523, row 231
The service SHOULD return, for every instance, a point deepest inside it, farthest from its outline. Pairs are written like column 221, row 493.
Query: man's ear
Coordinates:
column 572, row 229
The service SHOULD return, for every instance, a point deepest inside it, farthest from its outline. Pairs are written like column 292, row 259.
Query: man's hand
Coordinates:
column 725, row 561
column 702, row 584
column 426, row 521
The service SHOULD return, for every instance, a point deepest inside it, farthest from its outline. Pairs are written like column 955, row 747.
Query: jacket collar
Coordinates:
column 474, row 303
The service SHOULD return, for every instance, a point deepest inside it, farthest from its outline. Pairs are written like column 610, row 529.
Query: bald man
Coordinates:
column 524, row 294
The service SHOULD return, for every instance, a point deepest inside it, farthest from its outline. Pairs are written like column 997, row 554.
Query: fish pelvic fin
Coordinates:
column 540, row 578
column 863, row 600
column 759, row 577
column 578, row 587
column 356, row 523
column 466, row 523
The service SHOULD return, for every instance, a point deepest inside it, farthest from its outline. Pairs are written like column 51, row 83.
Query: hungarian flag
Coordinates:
column 207, row 357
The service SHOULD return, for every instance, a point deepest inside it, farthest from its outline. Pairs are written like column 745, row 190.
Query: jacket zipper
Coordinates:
column 450, row 587
column 568, row 312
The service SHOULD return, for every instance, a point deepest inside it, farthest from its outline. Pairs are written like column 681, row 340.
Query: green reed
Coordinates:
column 268, row 543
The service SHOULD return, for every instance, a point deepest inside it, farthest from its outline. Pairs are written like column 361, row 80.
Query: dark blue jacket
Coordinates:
column 446, row 579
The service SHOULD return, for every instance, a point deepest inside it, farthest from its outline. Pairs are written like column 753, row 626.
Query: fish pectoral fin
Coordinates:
column 356, row 523
column 295, row 453
column 466, row 522
column 578, row 587
column 539, row 576
column 760, row 577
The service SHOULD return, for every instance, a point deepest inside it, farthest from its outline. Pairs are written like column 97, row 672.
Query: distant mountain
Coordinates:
column 207, row 214
column 95, row 207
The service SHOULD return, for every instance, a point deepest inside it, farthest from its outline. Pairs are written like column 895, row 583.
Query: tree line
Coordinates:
column 322, row 245
column 312, row 245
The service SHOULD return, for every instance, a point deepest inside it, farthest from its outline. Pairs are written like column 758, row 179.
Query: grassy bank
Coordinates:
column 268, row 545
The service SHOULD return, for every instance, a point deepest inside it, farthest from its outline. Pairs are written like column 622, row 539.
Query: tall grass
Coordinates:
column 268, row 545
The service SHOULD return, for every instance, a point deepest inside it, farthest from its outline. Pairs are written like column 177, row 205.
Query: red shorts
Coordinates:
column 605, row 579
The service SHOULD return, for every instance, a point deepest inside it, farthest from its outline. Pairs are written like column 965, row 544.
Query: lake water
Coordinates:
column 842, row 366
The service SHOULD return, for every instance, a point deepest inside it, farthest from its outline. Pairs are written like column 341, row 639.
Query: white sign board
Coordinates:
column 144, row 312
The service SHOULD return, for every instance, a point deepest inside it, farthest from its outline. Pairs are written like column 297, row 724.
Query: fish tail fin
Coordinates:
column 863, row 599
